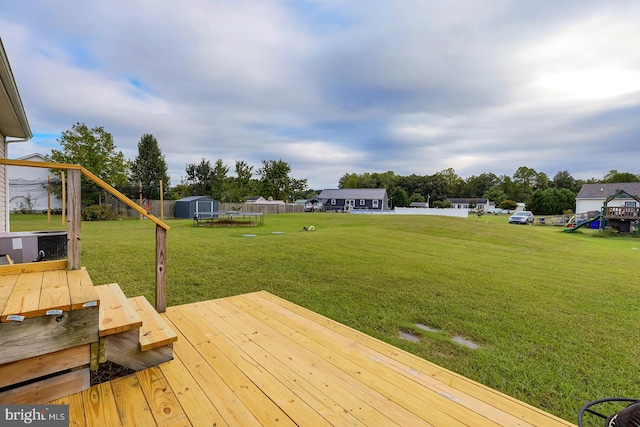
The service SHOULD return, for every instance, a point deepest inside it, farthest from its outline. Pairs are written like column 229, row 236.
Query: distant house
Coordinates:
column 472, row 203
column 259, row 200
column 28, row 187
column 591, row 197
column 346, row 199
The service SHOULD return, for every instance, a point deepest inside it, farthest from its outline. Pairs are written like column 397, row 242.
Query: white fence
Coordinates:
column 458, row 213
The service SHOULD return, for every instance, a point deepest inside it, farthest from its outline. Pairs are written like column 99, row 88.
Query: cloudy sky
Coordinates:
column 338, row 86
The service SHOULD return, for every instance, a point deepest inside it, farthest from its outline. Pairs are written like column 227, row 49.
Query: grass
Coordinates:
column 555, row 314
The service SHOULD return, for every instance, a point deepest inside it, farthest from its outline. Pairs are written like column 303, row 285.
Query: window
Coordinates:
column 630, row 204
column 333, row 201
column 375, row 203
column 361, row 202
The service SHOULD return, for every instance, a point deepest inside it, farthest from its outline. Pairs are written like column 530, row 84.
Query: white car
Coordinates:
column 521, row 217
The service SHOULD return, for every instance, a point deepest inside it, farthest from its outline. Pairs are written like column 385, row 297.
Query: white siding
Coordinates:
column 28, row 187
column 4, row 213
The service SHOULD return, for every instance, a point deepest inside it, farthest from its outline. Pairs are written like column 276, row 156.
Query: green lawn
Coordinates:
column 555, row 314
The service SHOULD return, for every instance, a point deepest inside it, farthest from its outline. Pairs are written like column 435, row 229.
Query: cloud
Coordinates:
column 334, row 87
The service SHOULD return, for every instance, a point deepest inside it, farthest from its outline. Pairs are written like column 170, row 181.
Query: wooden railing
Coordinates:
column 74, row 219
column 622, row 212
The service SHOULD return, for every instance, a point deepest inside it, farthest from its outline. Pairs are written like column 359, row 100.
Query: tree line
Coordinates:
column 541, row 194
column 94, row 149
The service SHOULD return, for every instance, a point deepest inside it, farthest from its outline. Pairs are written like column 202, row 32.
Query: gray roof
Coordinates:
column 354, row 193
column 602, row 191
column 192, row 198
column 469, row 200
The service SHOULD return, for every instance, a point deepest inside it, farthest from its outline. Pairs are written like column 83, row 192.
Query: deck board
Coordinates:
column 257, row 359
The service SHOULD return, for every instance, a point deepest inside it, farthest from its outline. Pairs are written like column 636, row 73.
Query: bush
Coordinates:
column 97, row 213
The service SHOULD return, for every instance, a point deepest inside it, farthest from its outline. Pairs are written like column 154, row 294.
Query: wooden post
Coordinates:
column 49, row 199
column 73, row 227
column 161, row 269
column 64, row 199
column 161, row 202
column 140, row 187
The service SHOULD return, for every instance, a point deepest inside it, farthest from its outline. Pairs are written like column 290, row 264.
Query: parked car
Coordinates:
column 522, row 217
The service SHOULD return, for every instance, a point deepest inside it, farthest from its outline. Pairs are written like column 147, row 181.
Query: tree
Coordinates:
column 399, row 197
column 452, row 181
column 477, row 186
column 276, row 182
column 542, row 181
column 219, row 182
column 149, row 168
column 94, row 149
column 552, row 201
column 417, row 197
column 563, row 179
column 199, row 177
column 243, row 184
column 495, row 194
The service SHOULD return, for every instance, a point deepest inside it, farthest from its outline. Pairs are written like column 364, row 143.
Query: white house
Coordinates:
column 29, row 187
column 592, row 196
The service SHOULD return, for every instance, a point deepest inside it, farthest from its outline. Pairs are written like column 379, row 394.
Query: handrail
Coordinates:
column 65, row 166
column 73, row 229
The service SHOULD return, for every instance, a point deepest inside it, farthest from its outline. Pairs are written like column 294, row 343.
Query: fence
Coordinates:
column 170, row 208
column 154, row 207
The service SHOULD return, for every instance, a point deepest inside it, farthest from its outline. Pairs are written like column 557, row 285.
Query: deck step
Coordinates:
column 116, row 313
column 154, row 332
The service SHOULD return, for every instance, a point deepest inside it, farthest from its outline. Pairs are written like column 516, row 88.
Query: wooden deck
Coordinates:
column 257, row 359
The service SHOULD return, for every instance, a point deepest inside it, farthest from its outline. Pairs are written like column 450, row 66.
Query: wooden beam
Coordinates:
column 74, row 206
column 47, row 390
column 30, row 267
column 161, row 269
column 46, row 334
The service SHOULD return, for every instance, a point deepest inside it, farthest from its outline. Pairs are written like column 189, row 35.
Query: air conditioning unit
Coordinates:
column 27, row 246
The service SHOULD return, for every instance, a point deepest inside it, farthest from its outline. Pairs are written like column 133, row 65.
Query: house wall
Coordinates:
column 368, row 204
column 588, row 205
column 28, row 188
column 4, row 212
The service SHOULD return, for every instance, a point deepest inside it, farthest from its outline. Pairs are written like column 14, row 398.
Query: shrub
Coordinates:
column 97, row 213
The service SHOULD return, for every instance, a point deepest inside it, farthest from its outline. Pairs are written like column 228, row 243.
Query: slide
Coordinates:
column 583, row 223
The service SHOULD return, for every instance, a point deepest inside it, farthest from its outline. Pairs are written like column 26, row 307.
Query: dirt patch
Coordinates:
column 109, row 371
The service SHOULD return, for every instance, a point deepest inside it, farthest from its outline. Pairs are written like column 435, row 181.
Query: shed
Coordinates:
column 188, row 206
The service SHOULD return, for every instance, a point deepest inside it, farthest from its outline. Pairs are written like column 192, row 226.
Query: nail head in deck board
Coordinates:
column 47, row 390
column 46, row 334
column 45, row 364
column 81, row 289
column 116, row 314
column 25, row 297
column 154, row 331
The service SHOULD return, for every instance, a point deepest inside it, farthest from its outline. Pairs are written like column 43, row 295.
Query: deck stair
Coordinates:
column 132, row 333
column 56, row 326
